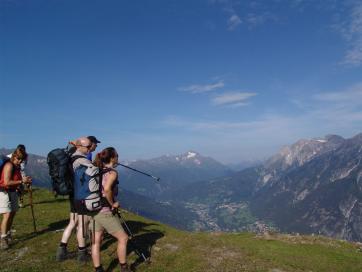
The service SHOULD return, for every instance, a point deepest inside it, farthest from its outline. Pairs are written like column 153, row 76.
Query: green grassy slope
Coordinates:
column 171, row 249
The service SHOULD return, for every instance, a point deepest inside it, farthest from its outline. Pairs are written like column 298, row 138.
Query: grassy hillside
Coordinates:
column 174, row 250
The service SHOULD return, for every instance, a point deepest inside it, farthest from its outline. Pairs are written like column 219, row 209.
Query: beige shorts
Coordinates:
column 106, row 221
column 8, row 202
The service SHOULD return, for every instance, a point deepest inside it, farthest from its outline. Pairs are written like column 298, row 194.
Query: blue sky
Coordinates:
column 234, row 80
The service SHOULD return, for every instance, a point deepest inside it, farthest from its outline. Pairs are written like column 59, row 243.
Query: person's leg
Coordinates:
column 96, row 248
column 10, row 224
column 122, row 239
column 82, row 232
column 62, row 251
column 4, row 224
column 73, row 220
column 5, row 209
column 11, row 220
column 13, row 200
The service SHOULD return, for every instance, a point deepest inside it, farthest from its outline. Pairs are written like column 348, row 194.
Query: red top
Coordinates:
column 15, row 176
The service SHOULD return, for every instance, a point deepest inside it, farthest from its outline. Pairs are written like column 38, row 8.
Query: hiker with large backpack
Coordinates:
column 10, row 180
column 106, row 219
column 60, row 162
column 86, row 182
column 61, row 172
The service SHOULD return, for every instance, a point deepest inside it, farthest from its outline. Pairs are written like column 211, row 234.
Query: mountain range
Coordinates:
column 311, row 186
column 175, row 172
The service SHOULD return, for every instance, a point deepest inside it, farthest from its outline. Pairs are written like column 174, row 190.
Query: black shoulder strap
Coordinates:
column 106, row 170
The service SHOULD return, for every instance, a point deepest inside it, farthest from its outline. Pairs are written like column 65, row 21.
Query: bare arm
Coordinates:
column 108, row 189
column 8, row 170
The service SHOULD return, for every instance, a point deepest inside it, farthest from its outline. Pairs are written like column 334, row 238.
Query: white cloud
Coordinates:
column 233, row 22
column 203, row 88
column 351, row 30
column 234, row 19
column 223, row 126
column 354, row 55
column 349, row 97
column 235, row 99
column 255, row 19
column 262, row 134
column 338, row 110
column 251, row 14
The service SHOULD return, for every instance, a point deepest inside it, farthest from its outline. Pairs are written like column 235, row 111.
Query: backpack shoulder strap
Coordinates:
column 76, row 157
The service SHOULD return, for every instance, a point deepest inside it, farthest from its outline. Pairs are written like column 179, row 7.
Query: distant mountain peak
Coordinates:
column 323, row 141
column 303, row 151
column 191, row 154
column 334, row 138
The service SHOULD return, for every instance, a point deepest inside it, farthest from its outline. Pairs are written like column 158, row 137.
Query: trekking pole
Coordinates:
column 31, row 205
column 129, row 232
column 148, row 175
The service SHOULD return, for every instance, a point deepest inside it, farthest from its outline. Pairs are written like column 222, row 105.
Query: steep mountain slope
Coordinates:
column 322, row 195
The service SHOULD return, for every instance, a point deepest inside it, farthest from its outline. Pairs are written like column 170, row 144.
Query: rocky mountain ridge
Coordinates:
column 312, row 186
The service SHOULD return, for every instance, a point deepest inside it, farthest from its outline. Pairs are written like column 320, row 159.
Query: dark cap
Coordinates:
column 93, row 139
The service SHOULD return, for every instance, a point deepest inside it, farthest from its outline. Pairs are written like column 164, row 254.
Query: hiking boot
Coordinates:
column 83, row 256
column 99, row 269
column 124, row 268
column 62, row 254
column 4, row 243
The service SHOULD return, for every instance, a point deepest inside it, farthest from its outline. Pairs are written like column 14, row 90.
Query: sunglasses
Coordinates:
column 87, row 146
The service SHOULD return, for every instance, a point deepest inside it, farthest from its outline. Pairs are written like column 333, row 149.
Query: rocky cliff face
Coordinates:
column 296, row 155
column 314, row 186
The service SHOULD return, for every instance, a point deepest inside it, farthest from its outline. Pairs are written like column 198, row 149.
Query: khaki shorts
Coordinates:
column 8, row 202
column 106, row 221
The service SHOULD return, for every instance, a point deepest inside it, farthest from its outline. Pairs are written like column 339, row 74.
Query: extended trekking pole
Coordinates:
column 31, row 205
column 129, row 232
column 148, row 175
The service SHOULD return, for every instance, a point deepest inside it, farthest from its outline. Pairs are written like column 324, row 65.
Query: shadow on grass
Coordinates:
column 55, row 200
column 140, row 244
column 59, row 225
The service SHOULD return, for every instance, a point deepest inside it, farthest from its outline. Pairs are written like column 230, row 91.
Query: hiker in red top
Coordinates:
column 11, row 179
